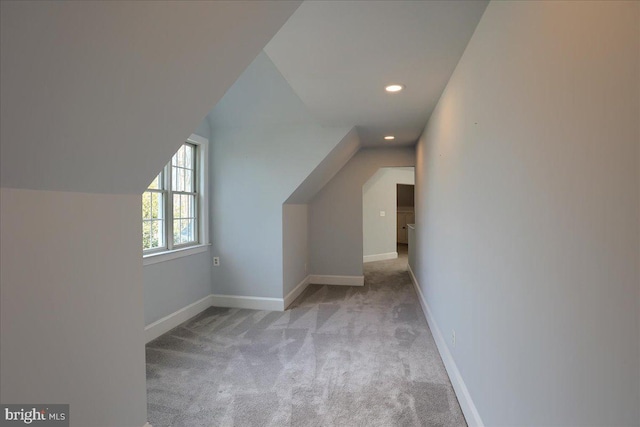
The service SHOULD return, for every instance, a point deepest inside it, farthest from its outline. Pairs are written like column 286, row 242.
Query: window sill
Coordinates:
column 174, row 254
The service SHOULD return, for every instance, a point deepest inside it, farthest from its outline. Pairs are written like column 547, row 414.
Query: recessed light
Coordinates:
column 389, row 137
column 394, row 88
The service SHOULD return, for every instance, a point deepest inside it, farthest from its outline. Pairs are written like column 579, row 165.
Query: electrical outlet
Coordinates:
column 453, row 337
column 383, row 213
column 216, row 261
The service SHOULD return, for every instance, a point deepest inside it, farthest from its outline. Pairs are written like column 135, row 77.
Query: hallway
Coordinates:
column 356, row 356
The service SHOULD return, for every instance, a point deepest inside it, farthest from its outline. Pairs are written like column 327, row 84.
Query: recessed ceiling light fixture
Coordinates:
column 394, row 88
column 389, row 137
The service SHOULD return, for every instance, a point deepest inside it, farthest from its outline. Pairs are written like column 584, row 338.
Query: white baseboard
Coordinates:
column 336, row 280
column 466, row 403
column 164, row 325
column 252, row 303
column 295, row 292
column 380, row 257
column 147, row 425
column 159, row 327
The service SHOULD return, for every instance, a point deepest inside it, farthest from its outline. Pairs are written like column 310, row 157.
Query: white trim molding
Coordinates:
column 318, row 279
column 156, row 257
column 164, row 325
column 147, row 425
column 462, row 392
column 380, row 257
column 200, row 192
column 203, row 184
column 295, row 292
column 252, row 303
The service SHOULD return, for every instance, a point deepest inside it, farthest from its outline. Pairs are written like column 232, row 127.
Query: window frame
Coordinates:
column 201, row 177
column 163, row 194
column 171, row 245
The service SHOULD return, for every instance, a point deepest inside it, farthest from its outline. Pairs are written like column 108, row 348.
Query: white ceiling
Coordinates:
column 339, row 56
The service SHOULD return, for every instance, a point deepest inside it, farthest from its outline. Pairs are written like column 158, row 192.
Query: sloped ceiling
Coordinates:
column 339, row 56
column 261, row 103
column 96, row 96
column 259, row 97
column 328, row 65
column 326, row 169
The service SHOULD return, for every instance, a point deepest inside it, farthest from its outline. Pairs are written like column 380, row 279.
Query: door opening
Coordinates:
column 387, row 208
column 405, row 208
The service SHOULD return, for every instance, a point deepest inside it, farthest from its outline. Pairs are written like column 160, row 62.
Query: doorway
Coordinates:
column 387, row 208
column 405, row 215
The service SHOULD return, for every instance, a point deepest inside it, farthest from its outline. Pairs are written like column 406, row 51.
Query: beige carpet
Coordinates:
column 342, row 356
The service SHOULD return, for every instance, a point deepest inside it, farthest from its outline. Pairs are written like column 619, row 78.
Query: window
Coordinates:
column 174, row 206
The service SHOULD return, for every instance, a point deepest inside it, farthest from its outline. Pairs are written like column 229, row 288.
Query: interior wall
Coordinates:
column 527, row 198
column 71, row 304
column 264, row 144
column 326, row 169
column 253, row 171
column 295, row 219
column 174, row 284
column 96, row 97
column 204, row 129
column 335, row 213
column 379, row 194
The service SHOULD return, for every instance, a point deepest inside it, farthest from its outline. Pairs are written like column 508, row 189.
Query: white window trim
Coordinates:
column 156, row 257
column 203, row 219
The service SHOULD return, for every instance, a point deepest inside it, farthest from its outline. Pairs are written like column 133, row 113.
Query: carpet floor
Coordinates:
column 341, row 356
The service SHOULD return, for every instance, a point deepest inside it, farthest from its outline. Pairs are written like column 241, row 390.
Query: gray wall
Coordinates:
column 528, row 217
column 335, row 213
column 326, row 169
column 253, row 171
column 71, row 322
column 379, row 194
column 264, row 144
column 96, row 97
column 295, row 244
column 204, row 129
column 174, row 284
column 113, row 87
